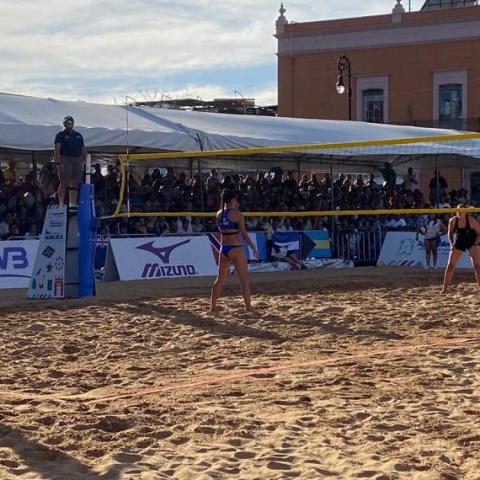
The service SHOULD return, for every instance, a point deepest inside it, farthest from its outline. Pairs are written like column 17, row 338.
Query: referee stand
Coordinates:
column 64, row 265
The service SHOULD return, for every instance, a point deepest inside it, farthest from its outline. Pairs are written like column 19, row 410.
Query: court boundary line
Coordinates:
column 405, row 350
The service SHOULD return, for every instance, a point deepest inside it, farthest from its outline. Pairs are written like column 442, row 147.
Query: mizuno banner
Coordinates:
column 162, row 257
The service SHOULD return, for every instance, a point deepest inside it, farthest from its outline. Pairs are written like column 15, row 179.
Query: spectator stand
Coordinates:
column 166, row 189
column 170, row 193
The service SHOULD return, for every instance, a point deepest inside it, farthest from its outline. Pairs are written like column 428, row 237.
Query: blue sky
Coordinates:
column 103, row 50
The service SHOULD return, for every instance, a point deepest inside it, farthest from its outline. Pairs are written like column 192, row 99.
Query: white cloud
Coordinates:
column 100, row 49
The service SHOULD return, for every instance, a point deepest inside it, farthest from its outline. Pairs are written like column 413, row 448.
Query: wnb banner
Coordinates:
column 16, row 262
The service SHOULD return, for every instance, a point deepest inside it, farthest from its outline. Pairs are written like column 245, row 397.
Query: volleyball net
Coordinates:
column 329, row 180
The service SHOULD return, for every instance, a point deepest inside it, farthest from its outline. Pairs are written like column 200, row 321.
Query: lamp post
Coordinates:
column 342, row 65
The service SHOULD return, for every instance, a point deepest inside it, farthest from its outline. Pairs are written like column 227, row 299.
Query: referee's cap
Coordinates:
column 68, row 119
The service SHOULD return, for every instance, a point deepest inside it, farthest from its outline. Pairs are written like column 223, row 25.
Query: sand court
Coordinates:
column 364, row 373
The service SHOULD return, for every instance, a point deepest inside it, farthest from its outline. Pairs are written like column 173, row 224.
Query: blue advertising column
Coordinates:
column 87, row 238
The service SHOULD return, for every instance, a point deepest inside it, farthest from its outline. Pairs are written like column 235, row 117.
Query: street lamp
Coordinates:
column 342, row 65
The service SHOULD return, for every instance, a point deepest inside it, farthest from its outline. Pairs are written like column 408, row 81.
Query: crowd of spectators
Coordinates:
column 23, row 200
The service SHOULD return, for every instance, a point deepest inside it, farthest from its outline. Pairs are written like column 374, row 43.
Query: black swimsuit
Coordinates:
column 466, row 237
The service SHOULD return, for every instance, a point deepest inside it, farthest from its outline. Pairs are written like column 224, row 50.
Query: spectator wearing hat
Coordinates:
column 70, row 155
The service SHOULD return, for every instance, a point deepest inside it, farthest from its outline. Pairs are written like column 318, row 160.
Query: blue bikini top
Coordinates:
column 225, row 223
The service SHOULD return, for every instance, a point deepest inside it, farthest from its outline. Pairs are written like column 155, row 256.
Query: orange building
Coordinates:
column 420, row 68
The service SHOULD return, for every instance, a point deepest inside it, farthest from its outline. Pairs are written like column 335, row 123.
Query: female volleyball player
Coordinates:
column 464, row 235
column 432, row 229
column 231, row 224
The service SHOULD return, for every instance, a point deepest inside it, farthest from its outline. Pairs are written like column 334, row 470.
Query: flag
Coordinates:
column 288, row 240
column 316, row 244
column 101, row 245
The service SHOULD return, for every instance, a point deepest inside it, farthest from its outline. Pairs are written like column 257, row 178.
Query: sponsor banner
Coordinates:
column 16, row 262
column 48, row 276
column 403, row 249
column 316, row 244
column 161, row 257
column 215, row 244
column 311, row 264
column 258, row 239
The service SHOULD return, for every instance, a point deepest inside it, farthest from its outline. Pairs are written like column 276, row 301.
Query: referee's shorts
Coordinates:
column 70, row 168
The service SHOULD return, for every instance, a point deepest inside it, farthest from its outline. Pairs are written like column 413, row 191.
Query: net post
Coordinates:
column 437, row 180
column 87, row 235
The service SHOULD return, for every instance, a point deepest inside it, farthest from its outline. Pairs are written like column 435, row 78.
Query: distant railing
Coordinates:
column 433, row 4
column 362, row 248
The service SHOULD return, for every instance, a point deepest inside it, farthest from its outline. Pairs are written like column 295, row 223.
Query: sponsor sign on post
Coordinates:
column 403, row 249
column 48, row 276
column 16, row 262
column 162, row 257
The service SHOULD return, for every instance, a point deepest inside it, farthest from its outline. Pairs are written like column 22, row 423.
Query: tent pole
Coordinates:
column 35, row 175
column 202, row 196
column 190, row 167
column 332, row 198
column 200, row 143
column 34, row 168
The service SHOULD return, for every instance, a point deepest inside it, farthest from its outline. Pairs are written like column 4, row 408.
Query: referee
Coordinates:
column 69, row 155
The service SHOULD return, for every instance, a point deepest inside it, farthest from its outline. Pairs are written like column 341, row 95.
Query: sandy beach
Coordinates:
column 339, row 374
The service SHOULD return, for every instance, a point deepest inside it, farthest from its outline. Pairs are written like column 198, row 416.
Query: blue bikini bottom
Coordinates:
column 226, row 249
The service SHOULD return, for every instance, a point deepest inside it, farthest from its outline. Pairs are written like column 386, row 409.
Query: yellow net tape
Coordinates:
column 301, row 148
column 335, row 213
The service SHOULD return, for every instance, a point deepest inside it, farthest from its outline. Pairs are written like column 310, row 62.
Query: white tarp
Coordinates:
column 30, row 123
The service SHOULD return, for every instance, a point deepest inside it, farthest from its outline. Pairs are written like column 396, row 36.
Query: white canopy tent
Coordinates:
column 29, row 124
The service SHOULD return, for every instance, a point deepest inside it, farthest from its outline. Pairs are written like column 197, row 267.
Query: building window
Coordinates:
column 450, row 106
column 373, row 105
column 450, row 99
column 372, row 99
